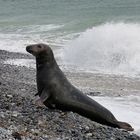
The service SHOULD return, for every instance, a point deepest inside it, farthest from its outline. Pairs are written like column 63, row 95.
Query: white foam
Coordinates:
column 15, row 39
column 126, row 108
column 30, row 63
column 109, row 48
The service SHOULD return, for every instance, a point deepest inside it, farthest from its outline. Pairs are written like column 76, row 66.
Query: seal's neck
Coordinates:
column 43, row 61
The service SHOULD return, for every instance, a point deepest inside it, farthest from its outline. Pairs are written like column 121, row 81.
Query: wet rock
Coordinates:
column 15, row 114
column 87, row 128
column 89, row 134
column 9, row 96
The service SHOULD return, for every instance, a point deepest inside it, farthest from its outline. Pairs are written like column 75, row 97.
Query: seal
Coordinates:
column 56, row 92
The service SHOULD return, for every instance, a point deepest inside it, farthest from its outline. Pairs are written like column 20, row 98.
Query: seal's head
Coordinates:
column 38, row 49
column 42, row 52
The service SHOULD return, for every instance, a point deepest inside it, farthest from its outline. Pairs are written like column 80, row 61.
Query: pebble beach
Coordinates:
column 22, row 119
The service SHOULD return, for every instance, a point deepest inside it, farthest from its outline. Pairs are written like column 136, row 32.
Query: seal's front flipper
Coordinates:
column 44, row 95
column 46, row 100
column 39, row 103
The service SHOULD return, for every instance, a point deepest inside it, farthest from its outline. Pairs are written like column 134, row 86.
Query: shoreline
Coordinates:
column 20, row 117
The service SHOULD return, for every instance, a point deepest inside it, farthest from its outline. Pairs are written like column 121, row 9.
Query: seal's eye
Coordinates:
column 39, row 46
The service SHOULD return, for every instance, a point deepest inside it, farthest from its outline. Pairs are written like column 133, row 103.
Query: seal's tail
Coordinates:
column 125, row 126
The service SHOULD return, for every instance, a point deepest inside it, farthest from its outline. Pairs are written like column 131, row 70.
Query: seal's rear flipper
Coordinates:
column 125, row 126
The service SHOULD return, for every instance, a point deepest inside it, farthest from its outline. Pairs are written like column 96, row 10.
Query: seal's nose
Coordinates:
column 29, row 49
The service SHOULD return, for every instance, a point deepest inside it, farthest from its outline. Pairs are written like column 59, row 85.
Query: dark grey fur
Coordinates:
column 57, row 92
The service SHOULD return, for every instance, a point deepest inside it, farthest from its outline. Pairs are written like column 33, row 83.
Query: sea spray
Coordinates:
column 108, row 48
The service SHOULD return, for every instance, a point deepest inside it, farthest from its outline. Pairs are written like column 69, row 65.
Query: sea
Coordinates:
column 87, row 36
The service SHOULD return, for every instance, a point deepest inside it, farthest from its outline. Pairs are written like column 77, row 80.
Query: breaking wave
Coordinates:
column 109, row 48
